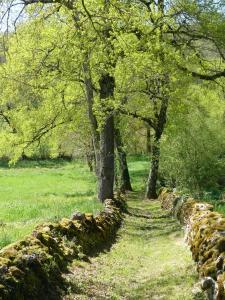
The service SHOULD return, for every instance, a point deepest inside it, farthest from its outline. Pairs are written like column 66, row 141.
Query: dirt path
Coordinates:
column 148, row 261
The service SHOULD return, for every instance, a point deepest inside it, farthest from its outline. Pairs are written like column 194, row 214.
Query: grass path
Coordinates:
column 148, row 261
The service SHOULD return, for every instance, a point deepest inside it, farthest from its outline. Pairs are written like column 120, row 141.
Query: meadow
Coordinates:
column 33, row 192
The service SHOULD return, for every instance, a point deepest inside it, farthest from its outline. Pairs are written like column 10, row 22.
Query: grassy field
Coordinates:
column 33, row 192
column 138, row 168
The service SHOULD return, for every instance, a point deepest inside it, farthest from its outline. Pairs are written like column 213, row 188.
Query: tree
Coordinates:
column 102, row 86
column 125, row 176
column 193, row 146
column 40, row 97
column 200, row 29
column 128, row 63
column 106, row 184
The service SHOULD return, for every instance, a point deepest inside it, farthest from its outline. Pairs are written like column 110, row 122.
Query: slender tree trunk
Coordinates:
column 92, row 118
column 90, row 156
column 151, row 192
column 125, row 176
column 89, row 162
column 153, row 175
column 148, row 140
column 161, row 6
column 106, row 178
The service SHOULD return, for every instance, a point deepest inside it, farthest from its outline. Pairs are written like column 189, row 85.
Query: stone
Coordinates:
column 78, row 216
column 219, row 263
column 204, row 232
column 3, row 269
column 46, row 253
column 17, row 273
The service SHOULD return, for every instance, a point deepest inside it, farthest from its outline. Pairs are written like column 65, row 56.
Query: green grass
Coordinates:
column 215, row 197
column 33, row 192
column 149, row 261
column 139, row 169
column 219, row 205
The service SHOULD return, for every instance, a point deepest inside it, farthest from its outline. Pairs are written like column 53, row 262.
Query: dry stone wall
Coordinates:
column 32, row 269
column 205, row 234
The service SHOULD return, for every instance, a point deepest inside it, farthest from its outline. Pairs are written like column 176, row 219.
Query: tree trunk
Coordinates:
column 151, row 192
column 148, row 140
column 106, row 178
column 125, row 176
column 92, row 118
column 161, row 6
column 90, row 156
column 89, row 162
column 153, row 175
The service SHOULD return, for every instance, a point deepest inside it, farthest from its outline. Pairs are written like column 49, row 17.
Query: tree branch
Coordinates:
column 209, row 77
column 147, row 120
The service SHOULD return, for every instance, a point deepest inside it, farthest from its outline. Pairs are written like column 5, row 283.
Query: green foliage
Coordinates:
column 41, row 95
column 193, row 148
column 43, row 98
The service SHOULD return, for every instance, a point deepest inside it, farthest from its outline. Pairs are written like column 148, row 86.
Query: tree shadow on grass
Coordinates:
column 88, row 193
column 161, row 287
column 158, row 230
column 152, row 230
column 150, row 223
column 40, row 163
column 157, row 288
column 138, row 213
column 139, row 174
column 73, row 285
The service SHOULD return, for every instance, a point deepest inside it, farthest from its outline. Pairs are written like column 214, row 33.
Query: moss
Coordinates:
column 15, row 271
column 10, row 253
column 208, row 269
column 221, row 245
column 205, row 234
column 32, row 268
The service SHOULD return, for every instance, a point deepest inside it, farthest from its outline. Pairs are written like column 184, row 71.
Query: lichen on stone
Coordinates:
column 32, row 268
column 205, row 234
